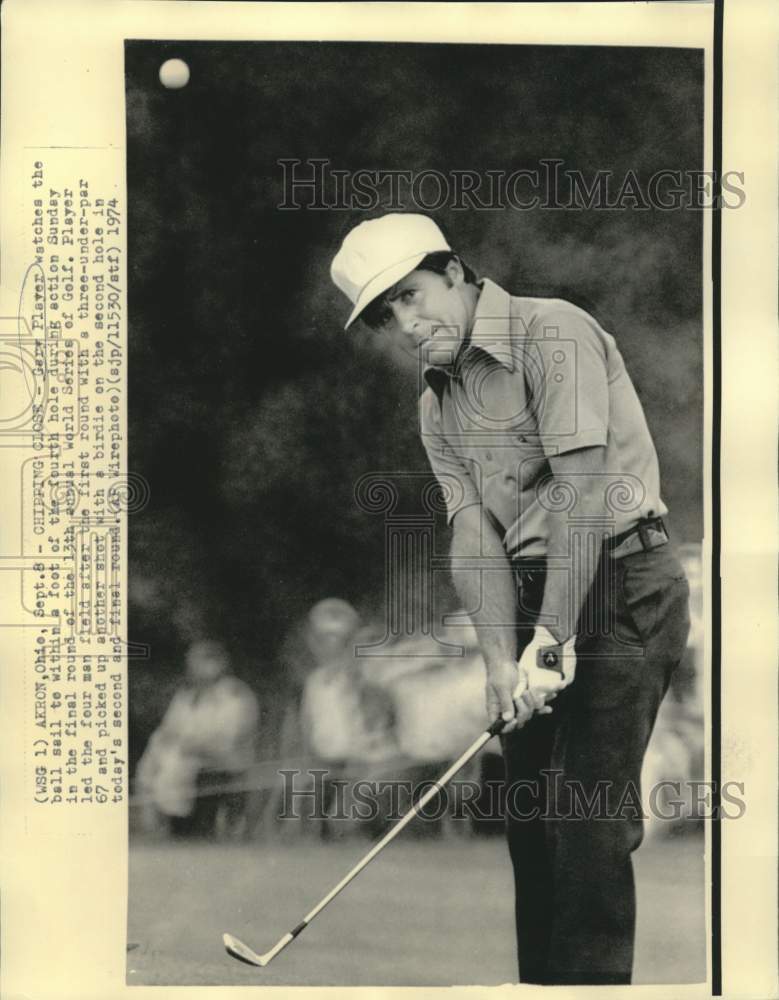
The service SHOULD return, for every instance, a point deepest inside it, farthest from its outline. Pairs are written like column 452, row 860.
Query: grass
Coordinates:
column 426, row 913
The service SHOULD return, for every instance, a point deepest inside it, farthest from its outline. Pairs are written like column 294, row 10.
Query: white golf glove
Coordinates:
column 545, row 667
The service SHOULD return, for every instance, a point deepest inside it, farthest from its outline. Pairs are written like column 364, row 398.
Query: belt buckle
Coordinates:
column 644, row 527
column 643, row 533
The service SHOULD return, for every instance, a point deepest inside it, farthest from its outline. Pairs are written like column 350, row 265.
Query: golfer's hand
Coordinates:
column 503, row 679
column 542, row 680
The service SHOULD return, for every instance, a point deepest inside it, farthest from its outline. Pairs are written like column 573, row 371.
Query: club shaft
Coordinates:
column 279, row 946
column 434, row 790
column 239, row 950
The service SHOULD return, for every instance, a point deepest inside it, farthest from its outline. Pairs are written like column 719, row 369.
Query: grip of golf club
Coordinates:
column 497, row 726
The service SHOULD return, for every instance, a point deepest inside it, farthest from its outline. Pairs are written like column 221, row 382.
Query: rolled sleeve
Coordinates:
column 457, row 485
column 571, row 397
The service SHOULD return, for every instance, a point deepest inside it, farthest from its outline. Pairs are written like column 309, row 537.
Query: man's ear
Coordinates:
column 454, row 271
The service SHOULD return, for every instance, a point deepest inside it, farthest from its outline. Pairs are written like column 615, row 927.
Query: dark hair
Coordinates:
column 374, row 314
column 437, row 262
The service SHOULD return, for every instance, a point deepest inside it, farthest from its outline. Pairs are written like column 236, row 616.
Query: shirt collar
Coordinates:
column 491, row 332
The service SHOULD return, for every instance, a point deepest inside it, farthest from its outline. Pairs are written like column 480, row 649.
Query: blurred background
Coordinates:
column 253, row 417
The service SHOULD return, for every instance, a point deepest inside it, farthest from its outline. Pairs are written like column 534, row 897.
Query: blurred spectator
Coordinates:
column 343, row 715
column 197, row 759
column 344, row 719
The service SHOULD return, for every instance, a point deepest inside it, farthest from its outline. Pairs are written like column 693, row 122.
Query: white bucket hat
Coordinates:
column 378, row 253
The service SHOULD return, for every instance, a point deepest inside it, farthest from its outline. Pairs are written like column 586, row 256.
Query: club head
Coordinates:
column 243, row 952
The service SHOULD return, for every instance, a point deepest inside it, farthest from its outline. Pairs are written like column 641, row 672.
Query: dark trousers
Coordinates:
column 573, row 777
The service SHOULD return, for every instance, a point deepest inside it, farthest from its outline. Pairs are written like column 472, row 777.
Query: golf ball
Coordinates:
column 174, row 74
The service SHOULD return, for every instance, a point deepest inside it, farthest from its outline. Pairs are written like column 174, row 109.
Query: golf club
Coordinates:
column 245, row 954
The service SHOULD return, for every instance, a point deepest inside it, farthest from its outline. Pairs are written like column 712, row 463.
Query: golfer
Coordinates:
column 560, row 552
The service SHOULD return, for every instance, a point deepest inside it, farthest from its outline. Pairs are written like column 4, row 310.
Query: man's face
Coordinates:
column 431, row 312
column 331, row 638
column 205, row 665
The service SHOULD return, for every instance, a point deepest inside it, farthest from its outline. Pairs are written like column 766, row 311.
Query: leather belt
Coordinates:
column 649, row 533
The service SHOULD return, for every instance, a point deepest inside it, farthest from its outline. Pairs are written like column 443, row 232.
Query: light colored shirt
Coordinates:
column 537, row 378
column 211, row 728
column 216, row 723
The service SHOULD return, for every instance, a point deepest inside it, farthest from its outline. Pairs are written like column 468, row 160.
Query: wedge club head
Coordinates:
column 244, row 953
